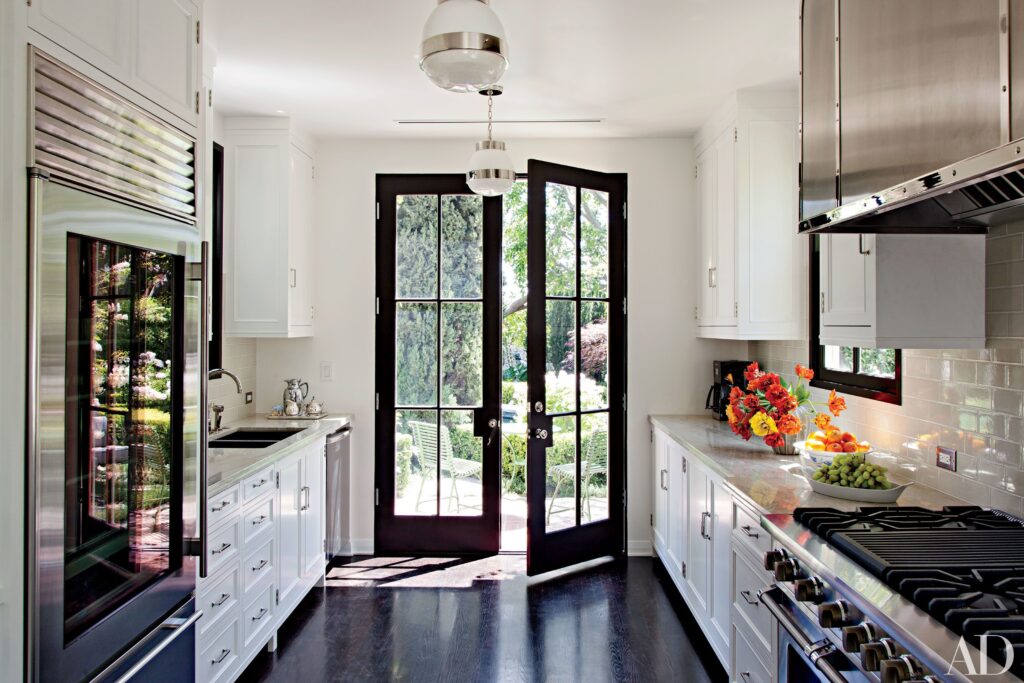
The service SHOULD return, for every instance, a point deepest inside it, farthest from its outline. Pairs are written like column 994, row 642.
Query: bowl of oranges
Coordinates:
column 822, row 446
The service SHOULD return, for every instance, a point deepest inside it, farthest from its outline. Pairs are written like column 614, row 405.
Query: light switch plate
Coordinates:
column 248, row 397
column 326, row 371
column 945, row 458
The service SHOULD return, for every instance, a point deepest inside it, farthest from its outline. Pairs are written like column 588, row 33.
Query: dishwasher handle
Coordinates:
column 339, row 435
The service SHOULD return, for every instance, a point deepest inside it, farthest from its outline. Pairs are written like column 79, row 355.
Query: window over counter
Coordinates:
column 870, row 373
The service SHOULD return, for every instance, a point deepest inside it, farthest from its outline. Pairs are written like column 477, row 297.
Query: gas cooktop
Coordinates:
column 962, row 565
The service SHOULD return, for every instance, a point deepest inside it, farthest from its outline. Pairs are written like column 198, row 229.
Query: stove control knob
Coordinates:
column 809, row 590
column 903, row 668
column 773, row 557
column 861, row 634
column 788, row 570
column 835, row 614
column 873, row 654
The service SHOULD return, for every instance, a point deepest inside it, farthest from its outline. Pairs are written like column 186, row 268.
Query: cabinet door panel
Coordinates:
column 706, row 181
column 96, row 31
column 724, row 276
column 721, row 562
column 659, row 465
column 300, row 274
column 677, row 489
column 290, row 528
column 312, row 516
column 847, row 280
column 164, row 65
column 698, row 567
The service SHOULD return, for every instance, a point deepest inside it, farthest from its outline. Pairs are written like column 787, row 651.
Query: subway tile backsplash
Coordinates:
column 239, row 356
column 971, row 400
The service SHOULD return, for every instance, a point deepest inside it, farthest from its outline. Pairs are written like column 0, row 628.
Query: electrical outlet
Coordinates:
column 326, row 371
column 945, row 458
column 248, row 397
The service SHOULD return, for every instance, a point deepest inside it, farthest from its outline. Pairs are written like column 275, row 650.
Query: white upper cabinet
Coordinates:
column 902, row 291
column 150, row 46
column 750, row 281
column 268, row 223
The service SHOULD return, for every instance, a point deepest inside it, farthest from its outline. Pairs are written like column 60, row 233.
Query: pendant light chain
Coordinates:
column 490, row 115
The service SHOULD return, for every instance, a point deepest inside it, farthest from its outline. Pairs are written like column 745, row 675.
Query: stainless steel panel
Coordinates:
column 818, row 108
column 919, row 89
column 1016, row 21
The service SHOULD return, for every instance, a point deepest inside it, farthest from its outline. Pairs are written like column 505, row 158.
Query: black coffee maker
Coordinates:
column 728, row 373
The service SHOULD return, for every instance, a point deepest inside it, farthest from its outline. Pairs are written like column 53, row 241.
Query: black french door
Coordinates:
column 438, row 366
column 576, row 479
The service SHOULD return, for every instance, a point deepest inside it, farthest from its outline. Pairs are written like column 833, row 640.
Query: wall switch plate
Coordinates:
column 945, row 458
column 326, row 371
column 248, row 397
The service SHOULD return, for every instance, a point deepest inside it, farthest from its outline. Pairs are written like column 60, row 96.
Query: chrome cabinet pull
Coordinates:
column 749, row 599
column 704, row 517
column 746, row 530
column 305, row 493
column 223, row 655
column 260, row 483
column 745, row 675
column 262, row 613
column 261, row 565
column 860, row 246
column 224, row 597
column 222, row 548
column 664, row 486
column 295, row 277
column 259, row 520
column 224, row 504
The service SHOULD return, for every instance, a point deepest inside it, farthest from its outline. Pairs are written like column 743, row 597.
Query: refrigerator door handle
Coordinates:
column 178, row 627
column 200, row 546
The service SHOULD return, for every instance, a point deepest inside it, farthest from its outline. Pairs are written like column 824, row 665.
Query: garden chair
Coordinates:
column 595, row 462
column 424, row 436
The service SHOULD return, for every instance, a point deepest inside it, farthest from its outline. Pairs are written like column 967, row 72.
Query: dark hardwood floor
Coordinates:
column 444, row 619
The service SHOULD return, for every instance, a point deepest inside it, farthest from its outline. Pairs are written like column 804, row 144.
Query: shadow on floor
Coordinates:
column 458, row 619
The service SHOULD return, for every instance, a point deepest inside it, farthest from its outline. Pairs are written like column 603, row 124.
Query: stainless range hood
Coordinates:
column 913, row 123
column 966, row 197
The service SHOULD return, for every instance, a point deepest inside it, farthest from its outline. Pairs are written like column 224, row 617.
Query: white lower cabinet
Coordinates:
column 266, row 552
column 696, row 520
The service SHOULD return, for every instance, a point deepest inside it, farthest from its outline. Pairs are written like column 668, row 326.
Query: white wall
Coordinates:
column 668, row 369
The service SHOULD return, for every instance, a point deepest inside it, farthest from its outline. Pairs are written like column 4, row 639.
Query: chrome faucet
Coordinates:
column 217, row 411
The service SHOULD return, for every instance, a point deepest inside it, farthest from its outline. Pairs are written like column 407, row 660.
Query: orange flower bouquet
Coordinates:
column 771, row 407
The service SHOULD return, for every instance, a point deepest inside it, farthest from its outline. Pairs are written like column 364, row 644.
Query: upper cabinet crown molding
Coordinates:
column 152, row 48
column 268, row 229
column 746, row 172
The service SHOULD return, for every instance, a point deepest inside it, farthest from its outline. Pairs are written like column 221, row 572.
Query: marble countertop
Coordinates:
column 227, row 466
column 772, row 484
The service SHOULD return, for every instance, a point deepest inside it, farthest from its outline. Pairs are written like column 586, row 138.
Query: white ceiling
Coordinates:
column 649, row 68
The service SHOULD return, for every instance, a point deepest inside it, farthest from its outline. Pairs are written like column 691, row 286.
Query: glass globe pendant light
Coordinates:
column 464, row 47
column 491, row 172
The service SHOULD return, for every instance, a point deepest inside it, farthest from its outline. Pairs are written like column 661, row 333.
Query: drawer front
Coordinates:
column 748, row 530
column 222, row 506
column 224, row 545
column 256, row 568
column 218, row 659
column 747, row 582
column 259, row 519
column 747, row 667
column 258, row 484
column 259, row 616
column 218, row 597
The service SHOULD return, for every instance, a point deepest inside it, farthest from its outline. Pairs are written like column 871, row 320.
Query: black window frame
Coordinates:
column 885, row 389
column 215, row 351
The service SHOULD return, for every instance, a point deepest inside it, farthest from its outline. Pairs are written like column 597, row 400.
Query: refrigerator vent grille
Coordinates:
column 86, row 133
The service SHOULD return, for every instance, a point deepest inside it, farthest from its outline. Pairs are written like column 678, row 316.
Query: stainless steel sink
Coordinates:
column 252, row 438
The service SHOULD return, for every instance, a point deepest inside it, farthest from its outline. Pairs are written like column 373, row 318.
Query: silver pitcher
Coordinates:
column 296, row 391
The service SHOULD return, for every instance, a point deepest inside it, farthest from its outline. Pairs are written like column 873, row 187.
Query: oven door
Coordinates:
column 114, row 405
column 805, row 654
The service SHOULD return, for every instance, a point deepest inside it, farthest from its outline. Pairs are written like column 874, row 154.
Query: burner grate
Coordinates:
column 880, row 551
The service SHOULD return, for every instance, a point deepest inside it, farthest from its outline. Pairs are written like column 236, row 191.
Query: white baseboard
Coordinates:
column 639, row 548
column 361, row 546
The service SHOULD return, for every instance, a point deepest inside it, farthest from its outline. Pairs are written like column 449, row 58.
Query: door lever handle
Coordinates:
column 493, row 424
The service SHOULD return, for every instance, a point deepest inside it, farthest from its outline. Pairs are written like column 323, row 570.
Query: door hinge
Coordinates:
column 736, row 309
column 209, row 98
column 624, row 212
column 684, row 465
column 197, row 101
column 682, row 567
column 312, row 312
column 376, row 402
column 277, row 480
column 696, row 314
column 823, row 302
column 735, row 134
column 694, row 171
column 376, row 497
column 652, row 435
column 625, row 307
column 277, row 596
column 378, row 305
column 198, row 39
column 652, row 520
column 378, row 210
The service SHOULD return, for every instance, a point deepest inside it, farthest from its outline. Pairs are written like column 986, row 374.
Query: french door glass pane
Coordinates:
column 462, row 246
column 839, row 358
column 560, row 462
column 594, row 350
column 561, row 240
column 560, row 375
column 416, row 462
column 461, row 465
column 416, row 354
column 594, row 243
column 416, row 247
column 594, row 468
column 462, row 354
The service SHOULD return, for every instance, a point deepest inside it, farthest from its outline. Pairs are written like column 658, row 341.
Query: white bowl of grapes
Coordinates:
column 853, row 476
